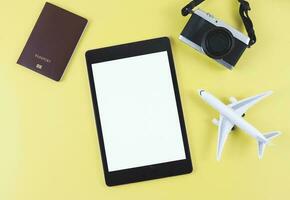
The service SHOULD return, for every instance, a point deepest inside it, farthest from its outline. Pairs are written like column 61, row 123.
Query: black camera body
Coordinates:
column 215, row 38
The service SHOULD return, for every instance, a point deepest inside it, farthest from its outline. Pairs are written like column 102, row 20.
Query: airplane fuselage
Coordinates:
column 232, row 116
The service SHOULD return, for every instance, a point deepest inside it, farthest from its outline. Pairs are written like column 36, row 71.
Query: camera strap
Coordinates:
column 244, row 13
column 188, row 8
column 244, row 9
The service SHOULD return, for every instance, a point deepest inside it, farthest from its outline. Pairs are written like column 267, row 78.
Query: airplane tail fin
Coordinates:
column 262, row 145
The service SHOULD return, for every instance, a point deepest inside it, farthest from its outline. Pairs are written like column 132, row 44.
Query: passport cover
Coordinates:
column 52, row 41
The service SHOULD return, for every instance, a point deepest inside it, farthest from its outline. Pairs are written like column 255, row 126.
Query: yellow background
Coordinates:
column 48, row 144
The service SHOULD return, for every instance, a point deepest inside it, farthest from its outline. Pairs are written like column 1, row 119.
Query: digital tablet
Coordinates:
column 138, row 112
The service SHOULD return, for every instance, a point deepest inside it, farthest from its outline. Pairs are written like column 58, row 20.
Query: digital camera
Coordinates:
column 214, row 37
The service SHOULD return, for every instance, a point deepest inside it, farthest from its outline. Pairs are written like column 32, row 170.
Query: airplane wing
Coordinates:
column 225, row 127
column 240, row 107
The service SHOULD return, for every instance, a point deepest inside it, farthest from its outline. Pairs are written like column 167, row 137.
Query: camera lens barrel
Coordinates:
column 217, row 42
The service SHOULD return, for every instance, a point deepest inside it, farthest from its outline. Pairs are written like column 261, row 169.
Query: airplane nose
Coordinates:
column 200, row 91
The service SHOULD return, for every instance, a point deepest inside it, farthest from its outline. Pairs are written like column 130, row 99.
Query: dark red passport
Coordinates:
column 52, row 41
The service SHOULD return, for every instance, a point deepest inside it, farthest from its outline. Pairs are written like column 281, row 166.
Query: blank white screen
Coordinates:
column 138, row 111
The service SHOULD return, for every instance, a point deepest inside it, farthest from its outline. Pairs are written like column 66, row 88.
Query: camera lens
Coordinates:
column 217, row 42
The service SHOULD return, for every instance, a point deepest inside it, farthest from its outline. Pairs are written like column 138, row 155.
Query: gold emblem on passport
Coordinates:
column 38, row 66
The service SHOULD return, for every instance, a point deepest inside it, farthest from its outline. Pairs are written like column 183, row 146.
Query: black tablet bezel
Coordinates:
column 146, row 172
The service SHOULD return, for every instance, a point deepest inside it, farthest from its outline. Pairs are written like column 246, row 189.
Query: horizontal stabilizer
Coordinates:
column 262, row 145
column 271, row 135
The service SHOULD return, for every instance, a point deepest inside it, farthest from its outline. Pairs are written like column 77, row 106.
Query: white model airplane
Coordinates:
column 232, row 115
